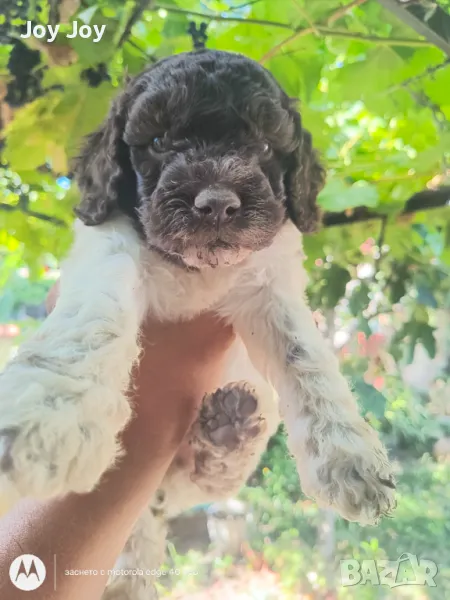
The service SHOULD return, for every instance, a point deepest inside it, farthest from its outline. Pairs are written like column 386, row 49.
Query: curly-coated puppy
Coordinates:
column 194, row 191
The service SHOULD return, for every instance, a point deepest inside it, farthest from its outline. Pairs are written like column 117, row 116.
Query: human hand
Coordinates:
column 180, row 363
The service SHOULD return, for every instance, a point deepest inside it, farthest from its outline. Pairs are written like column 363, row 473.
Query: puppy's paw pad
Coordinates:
column 229, row 417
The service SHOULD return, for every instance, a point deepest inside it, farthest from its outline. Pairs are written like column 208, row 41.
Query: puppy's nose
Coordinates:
column 217, row 204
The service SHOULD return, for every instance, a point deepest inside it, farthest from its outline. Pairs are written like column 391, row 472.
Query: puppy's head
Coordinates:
column 208, row 154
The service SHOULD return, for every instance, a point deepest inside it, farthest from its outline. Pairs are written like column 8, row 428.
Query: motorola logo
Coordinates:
column 27, row 572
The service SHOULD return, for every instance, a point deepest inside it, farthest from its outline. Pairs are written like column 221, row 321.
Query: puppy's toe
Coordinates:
column 363, row 494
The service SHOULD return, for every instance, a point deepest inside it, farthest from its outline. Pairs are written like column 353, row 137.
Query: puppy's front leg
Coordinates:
column 340, row 460
column 62, row 398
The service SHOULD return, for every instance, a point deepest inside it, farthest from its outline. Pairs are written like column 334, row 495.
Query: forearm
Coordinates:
column 89, row 531
column 178, row 364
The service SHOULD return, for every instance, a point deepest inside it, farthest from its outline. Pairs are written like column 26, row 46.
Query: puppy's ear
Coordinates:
column 103, row 170
column 303, row 181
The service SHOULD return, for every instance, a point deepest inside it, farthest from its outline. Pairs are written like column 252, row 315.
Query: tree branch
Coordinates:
column 373, row 39
column 422, row 201
column 380, row 243
column 136, row 14
column 244, row 5
column 53, row 13
column 439, row 117
column 218, row 17
column 327, row 31
column 434, row 27
column 343, row 11
column 23, row 208
column 429, row 72
column 423, row 100
column 295, row 36
column 149, row 57
column 305, row 16
column 296, row 31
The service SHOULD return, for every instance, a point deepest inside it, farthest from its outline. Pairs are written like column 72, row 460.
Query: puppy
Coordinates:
column 195, row 192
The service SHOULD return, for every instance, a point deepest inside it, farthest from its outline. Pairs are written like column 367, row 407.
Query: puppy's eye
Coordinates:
column 157, row 144
column 266, row 148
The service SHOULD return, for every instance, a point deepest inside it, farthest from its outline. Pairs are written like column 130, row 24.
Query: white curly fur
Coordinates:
column 63, row 397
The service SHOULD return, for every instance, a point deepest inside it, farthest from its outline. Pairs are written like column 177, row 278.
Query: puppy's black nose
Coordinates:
column 217, row 204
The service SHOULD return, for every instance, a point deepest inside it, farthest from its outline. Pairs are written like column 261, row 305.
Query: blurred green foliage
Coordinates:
column 374, row 95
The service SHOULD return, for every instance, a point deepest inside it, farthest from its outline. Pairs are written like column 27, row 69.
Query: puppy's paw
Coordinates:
column 351, row 473
column 226, row 435
column 229, row 417
column 50, row 442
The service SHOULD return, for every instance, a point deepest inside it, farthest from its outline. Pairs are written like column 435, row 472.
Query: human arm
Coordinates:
column 180, row 362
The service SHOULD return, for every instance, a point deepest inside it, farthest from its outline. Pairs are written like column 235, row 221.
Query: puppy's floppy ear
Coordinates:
column 103, row 170
column 304, row 179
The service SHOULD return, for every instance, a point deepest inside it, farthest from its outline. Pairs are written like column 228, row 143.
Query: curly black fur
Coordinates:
column 203, row 120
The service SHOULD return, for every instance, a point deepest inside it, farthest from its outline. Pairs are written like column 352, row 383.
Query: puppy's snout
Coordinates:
column 217, row 204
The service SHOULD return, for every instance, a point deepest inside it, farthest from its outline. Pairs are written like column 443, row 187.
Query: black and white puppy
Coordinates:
column 194, row 192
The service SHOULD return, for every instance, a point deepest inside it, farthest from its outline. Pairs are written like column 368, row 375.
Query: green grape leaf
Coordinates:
column 359, row 299
column 371, row 401
column 338, row 195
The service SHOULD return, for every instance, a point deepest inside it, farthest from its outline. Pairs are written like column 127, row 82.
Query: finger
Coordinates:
column 52, row 297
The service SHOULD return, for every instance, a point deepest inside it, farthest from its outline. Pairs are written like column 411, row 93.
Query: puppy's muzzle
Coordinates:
column 217, row 205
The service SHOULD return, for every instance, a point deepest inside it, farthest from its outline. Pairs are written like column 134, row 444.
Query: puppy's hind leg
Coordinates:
column 221, row 451
column 137, row 568
column 223, row 447
column 62, row 398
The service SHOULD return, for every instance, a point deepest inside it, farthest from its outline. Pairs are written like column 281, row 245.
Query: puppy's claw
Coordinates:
column 388, row 482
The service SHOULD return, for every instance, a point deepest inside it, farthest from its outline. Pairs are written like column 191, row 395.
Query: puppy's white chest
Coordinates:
column 174, row 294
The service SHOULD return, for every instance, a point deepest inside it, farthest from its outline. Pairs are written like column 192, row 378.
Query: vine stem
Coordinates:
column 218, row 16
column 296, row 31
column 344, row 10
column 31, row 213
